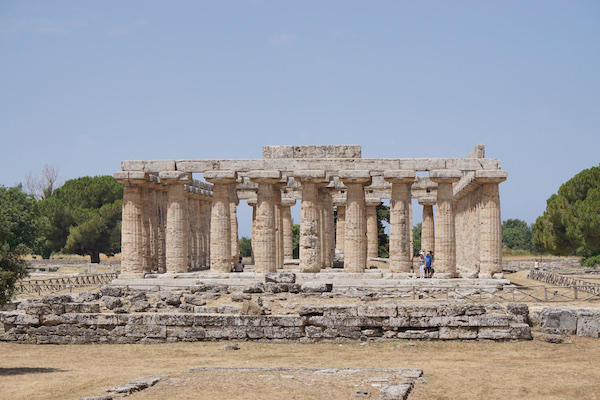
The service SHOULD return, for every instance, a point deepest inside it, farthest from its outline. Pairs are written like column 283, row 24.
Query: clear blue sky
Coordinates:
column 86, row 84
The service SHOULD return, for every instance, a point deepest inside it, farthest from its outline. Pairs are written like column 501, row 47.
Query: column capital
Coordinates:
column 131, row 177
column 175, row 177
column 445, row 175
column 264, row 176
column 220, row 176
column 354, row 176
column 288, row 202
column 339, row 202
column 372, row 202
column 427, row 201
column 310, row 176
column 491, row 176
column 399, row 176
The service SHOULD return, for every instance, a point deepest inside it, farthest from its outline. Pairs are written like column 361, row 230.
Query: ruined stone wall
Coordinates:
column 61, row 320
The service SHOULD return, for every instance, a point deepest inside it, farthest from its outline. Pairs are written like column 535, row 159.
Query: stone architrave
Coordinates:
column 372, row 231
column 445, row 235
column 220, row 220
column 490, row 223
column 264, row 242
column 400, row 219
column 176, row 232
column 340, row 226
column 427, row 225
column 132, row 250
column 355, row 243
column 310, row 252
column 286, row 220
column 233, row 203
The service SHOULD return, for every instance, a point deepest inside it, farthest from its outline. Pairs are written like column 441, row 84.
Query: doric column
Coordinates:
column 490, row 255
column 372, row 232
column 233, row 203
column 252, row 203
column 220, row 220
column 355, row 243
column 264, row 245
column 132, row 250
column 445, row 239
column 191, row 220
column 327, row 226
column 340, row 226
column 286, row 220
column 310, row 252
column 176, row 232
column 161, row 200
column 278, row 223
column 205, row 213
column 427, row 225
column 400, row 219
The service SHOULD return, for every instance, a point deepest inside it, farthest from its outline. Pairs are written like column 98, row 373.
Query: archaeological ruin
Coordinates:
column 173, row 222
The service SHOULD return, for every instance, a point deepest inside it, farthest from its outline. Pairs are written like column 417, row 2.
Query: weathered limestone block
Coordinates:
column 454, row 333
column 281, row 277
column 395, row 392
column 419, row 334
column 377, row 310
column 519, row 312
column 588, row 323
column 489, row 320
column 520, row 331
column 562, row 320
column 146, row 331
column 316, row 287
column 495, row 333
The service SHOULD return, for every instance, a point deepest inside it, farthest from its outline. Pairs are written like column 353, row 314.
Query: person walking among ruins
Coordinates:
column 421, row 265
column 428, row 265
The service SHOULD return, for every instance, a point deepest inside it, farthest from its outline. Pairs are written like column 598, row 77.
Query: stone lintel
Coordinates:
column 220, row 176
column 310, row 176
column 445, row 175
column 264, row 176
column 427, row 201
column 349, row 176
column 399, row 176
column 131, row 177
column 148, row 165
column 175, row 177
column 491, row 176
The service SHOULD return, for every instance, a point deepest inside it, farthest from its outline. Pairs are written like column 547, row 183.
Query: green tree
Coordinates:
column 84, row 217
column 383, row 240
column 12, row 265
column 23, row 220
column 517, row 234
column 571, row 222
column 417, row 238
column 296, row 240
column 245, row 246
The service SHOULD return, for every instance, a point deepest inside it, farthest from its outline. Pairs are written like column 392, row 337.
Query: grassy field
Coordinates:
column 452, row 370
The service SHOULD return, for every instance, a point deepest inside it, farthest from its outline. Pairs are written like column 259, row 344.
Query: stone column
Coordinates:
column 176, row 232
column 161, row 200
column 355, row 243
column 277, row 208
column 490, row 223
column 252, row 203
column 205, row 212
column 264, row 245
column 220, row 220
column 400, row 220
column 191, row 221
column 427, row 226
column 328, row 224
column 286, row 219
column 445, row 240
column 340, row 231
column 310, row 252
column 233, row 203
column 372, row 232
column 132, row 250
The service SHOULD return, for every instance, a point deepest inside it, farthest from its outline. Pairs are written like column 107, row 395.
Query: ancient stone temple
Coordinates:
column 173, row 222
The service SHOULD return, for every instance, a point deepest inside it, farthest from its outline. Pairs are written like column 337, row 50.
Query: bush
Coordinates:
column 590, row 262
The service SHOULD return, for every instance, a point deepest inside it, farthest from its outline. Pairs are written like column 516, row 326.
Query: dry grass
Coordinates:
column 453, row 370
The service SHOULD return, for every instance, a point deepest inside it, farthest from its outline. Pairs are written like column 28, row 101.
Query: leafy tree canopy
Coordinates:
column 12, row 266
column 417, row 238
column 383, row 240
column 22, row 220
column 517, row 234
column 571, row 222
column 85, row 217
column 245, row 245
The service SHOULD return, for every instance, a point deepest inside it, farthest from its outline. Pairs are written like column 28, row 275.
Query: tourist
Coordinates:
column 536, row 265
column 544, row 266
column 239, row 267
column 421, row 265
column 428, row 265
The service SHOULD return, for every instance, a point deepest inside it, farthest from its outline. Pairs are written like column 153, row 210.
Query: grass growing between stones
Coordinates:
column 452, row 370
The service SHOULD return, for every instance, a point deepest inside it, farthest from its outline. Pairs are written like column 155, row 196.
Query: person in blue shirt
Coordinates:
column 428, row 265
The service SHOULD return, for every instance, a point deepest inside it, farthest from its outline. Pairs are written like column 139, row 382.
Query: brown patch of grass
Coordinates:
column 453, row 370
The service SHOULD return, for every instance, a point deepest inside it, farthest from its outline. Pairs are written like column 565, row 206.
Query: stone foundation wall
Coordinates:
column 569, row 321
column 59, row 320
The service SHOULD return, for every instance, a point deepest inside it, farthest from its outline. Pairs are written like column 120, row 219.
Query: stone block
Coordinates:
column 112, row 302
column 205, row 309
column 377, row 310
column 288, row 321
column 495, row 333
column 489, row 320
column 588, row 323
column 311, row 151
column 257, row 287
column 402, row 321
column 313, row 331
column 457, row 333
column 307, row 309
column 278, row 152
column 57, row 298
column 520, row 331
column 339, row 310
column 520, row 312
column 193, row 300
column 564, row 320
column 146, row 331
column 316, row 287
column 114, row 291
column 174, row 319
column 281, row 277
column 186, row 334
column 225, row 333
column 419, row 334
column 395, row 392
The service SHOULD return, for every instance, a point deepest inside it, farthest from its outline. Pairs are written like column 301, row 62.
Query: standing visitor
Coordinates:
column 428, row 265
column 421, row 266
